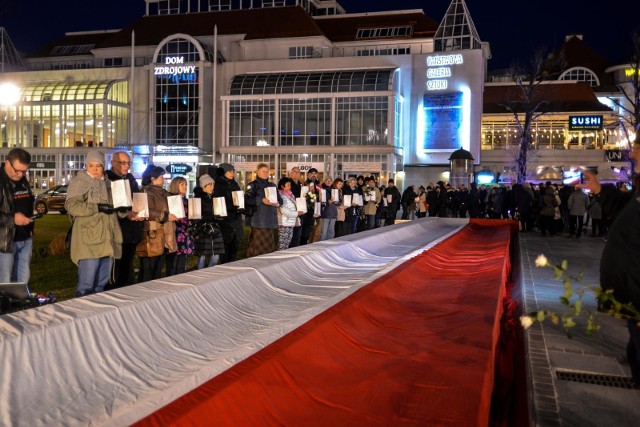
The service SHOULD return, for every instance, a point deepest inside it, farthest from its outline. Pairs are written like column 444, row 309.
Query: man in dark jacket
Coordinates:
column 264, row 222
column 392, row 196
column 619, row 267
column 408, row 199
column 16, row 225
column 131, row 229
column 231, row 225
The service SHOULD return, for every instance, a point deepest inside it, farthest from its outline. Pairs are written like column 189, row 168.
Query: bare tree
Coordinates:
column 629, row 106
column 526, row 103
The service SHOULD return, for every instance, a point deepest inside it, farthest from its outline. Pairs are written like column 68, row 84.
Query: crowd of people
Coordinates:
column 286, row 214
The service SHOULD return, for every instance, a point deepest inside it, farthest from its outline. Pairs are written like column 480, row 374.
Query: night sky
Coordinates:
column 512, row 27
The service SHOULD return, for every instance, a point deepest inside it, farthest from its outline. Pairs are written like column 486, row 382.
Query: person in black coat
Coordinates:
column 130, row 227
column 408, row 198
column 208, row 236
column 619, row 267
column 394, row 204
column 232, row 226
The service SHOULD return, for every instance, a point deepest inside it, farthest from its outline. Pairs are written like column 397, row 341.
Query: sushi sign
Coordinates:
column 585, row 123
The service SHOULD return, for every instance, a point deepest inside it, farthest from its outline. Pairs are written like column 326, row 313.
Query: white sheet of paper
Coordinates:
column 301, row 204
column 357, row 198
column 346, row 200
column 121, row 193
column 219, row 206
column 335, row 194
column 323, row 196
column 271, row 193
column 317, row 211
column 384, row 202
column 175, row 206
column 372, row 196
column 195, row 208
column 389, row 198
column 141, row 204
column 238, row 199
column 304, row 190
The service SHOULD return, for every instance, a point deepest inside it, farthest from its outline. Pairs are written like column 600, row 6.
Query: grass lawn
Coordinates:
column 58, row 274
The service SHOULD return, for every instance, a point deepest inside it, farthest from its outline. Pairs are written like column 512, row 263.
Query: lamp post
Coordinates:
column 9, row 96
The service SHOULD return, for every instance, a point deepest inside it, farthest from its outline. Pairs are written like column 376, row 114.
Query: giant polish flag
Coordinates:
column 397, row 326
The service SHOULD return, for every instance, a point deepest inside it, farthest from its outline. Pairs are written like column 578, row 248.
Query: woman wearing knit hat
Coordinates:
column 96, row 239
column 209, row 242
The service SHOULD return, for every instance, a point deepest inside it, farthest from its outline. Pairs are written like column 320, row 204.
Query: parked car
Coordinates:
column 51, row 200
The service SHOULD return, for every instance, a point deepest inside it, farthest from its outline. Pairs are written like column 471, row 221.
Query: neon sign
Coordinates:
column 585, row 123
column 439, row 70
column 173, row 67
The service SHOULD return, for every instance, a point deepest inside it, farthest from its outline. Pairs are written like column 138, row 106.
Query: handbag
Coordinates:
column 152, row 243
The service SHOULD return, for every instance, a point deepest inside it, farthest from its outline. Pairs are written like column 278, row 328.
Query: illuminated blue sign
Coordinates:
column 443, row 115
column 585, row 123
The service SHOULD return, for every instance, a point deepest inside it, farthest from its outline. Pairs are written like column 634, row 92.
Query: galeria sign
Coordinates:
column 439, row 70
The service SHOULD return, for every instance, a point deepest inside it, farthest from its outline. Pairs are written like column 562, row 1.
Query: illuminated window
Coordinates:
column 177, row 93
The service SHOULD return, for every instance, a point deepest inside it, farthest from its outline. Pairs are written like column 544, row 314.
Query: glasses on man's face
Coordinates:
column 124, row 163
column 22, row 171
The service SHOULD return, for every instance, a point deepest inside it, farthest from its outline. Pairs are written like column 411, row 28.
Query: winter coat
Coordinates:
column 131, row 230
column 578, row 203
column 287, row 212
column 94, row 234
column 548, row 203
column 370, row 207
column 264, row 216
column 330, row 209
column 232, row 224
column 207, row 231
column 8, row 210
column 158, row 219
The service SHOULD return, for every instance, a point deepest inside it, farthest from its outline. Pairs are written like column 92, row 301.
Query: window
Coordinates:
column 581, row 74
column 384, row 51
column 177, row 95
column 362, row 120
column 113, row 62
column 219, row 5
column 374, row 33
column 168, row 7
column 343, row 81
column 72, row 49
column 273, row 3
column 305, row 121
column 251, row 123
column 299, row 52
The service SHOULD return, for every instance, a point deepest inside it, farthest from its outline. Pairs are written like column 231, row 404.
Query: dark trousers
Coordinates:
column 151, row 267
column 295, row 239
column 371, row 222
column 546, row 224
column 573, row 220
column 123, row 268
column 597, row 224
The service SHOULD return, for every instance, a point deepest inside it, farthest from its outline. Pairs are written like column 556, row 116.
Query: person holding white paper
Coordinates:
column 287, row 213
column 298, row 192
column 393, row 197
column 131, row 225
column 371, row 201
column 351, row 211
column 176, row 262
column 96, row 239
column 264, row 221
column 330, row 208
column 159, row 232
column 209, row 240
column 232, row 225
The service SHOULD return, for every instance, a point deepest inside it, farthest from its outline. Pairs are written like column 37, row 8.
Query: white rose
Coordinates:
column 526, row 321
column 541, row 261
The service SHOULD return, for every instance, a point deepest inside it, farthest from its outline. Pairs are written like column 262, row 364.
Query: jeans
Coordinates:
column 212, row 261
column 295, row 238
column 93, row 275
column 328, row 230
column 371, row 222
column 14, row 266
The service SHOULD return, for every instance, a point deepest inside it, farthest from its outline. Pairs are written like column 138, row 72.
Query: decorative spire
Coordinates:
column 9, row 57
column 457, row 31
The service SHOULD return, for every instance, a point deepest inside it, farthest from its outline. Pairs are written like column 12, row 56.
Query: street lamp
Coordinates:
column 9, row 94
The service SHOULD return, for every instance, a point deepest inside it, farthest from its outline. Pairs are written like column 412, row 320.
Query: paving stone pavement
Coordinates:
column 562, row 402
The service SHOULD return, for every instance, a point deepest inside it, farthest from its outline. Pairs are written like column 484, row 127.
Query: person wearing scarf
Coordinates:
column 287, row 213
column 96, row 239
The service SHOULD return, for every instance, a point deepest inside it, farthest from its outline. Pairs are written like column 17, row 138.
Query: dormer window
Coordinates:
column 383, row 32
